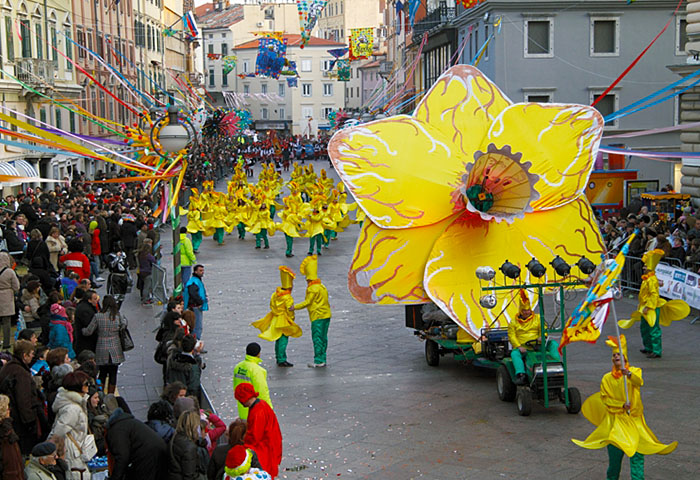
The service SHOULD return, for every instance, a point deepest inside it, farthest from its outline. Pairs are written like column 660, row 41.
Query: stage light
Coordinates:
column 510, row 270
column 560, row 266
column 535, row 268
column 586, row 266
column 488, row 301
column 485, row 273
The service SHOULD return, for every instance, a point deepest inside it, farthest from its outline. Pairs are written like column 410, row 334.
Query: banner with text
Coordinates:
column 679, row 283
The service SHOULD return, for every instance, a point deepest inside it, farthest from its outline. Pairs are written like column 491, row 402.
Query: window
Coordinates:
column 88, row 36
column 538, row 38
column 210, row 48
column 357, row 94
column 604, row 37
column 351, row 90
column 307, row 112
column 42, row 115
column 9, row 39
column 246, row 88
column 327, row 111
column 211, row 77
column 224, row 49
column 39, row 41
column 681, row 35
column 327, row 89
column 606, row 106
column 280, row 89
column 305, row 89
column 57, row 112
column 224, row 78
column 69, row 49
column 486, row 36
column 282, row 113
column 71, row 121
column 245, row 66
column 305, row 64
column 54, row 43
column 263, row 88
column 538, row 98
column 26, row 38
column 327, row 65
column 264, row 113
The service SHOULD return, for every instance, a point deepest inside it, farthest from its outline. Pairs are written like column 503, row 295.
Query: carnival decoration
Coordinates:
column 337, row 53
column 191, row 30
column 421, row 220
column 344, row 70
column 229, row 63
column 271, row 57
column 292, row 82
column 361, row 43
column 413, row 6
column 470, row 3
column 309, row 13
column 289, row 69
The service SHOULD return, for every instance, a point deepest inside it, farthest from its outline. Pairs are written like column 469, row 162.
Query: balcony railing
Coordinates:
column 433, row 20
column 35, row 72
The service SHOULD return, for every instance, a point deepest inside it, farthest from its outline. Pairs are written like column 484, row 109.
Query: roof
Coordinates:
column 372, row 64
column 203, row 9
column 294, row 40
column 220, row 18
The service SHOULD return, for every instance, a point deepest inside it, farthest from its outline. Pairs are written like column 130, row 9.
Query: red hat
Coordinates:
column 245, row 392
column 238, row 460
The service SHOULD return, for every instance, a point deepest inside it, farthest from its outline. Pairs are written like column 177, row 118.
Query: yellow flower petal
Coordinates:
column 560, row 141
column 400, row 170
column 462, row 104
column 388, row 265
column 569, row 231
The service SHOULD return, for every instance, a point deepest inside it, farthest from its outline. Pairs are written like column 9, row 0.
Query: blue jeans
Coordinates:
column 198, row 322
column 186, row 273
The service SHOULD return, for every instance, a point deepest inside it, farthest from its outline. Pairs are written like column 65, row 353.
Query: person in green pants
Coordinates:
column 649, row 303
column 316, row 302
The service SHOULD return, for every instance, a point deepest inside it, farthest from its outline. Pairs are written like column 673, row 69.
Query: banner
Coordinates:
column 361, row 43
column 679, row 284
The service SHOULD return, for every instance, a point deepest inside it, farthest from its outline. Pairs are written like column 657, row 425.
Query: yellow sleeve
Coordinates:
column 651, row 295
column 259, row 378
column 636, row 377
column 307, row 301
column 610, row 396
column 512, row 334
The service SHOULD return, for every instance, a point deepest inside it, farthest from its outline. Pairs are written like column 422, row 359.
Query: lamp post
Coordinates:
column 172, row 137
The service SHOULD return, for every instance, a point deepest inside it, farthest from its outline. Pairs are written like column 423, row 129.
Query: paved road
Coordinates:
column 378, row 410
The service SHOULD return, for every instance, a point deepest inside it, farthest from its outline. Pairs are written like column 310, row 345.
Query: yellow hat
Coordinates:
column 286, row 277
column 612, row 343
column 309, row 267
column 651, row 259
column 523, row 300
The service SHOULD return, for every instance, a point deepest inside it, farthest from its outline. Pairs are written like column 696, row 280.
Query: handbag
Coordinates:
column 87, row 450
column 125, row 339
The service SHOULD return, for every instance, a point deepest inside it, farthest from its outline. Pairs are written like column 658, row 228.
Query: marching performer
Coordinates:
column 316, row 302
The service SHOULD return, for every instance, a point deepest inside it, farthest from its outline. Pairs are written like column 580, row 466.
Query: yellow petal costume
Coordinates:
column 279, row 320
column 649, row 298
column 605, row 410
column 469, row 179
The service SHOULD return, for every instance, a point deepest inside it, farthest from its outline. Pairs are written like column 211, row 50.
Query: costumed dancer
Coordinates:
column 314, row 227
column 195, row 227
column 316, row 302
column 292, row 222
column 652, row 310
column 218, row 219
column 260, row 222
column 278, row 325
column 619, row 417
column 525, row 327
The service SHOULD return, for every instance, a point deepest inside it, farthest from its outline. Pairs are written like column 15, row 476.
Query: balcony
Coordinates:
column 35, row 72
column 433, row 21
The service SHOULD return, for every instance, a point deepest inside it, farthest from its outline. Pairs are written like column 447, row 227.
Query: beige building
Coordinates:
column 301, row 110
column 341, row 16
column 175, row 47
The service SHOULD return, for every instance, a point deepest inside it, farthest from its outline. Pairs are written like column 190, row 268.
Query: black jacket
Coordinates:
column 83, row 316
column 26, row 404
column 187, row 460
column 128, row 234
column 137, row 450
column 217, row 463
column 186, row 369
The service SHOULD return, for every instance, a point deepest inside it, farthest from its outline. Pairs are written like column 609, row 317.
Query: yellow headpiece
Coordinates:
column 523, row 300
column 651, row 258
column 309, row 267
column 286, row 276
column 612, row 343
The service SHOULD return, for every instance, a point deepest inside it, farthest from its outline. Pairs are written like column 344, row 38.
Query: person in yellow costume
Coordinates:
column 619, row 417
column 278, row 325
column 194, row 221
column 524, row 328
column 291, row 223
column 316, row 302
column 314, row 227
column 260, row 223
column 218, row 218
column 652, row 310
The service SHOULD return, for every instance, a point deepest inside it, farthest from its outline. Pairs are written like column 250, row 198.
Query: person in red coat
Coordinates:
column 76, row 261
column 263, row 434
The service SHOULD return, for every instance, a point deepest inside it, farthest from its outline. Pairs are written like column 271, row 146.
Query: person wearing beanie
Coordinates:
column 95, row 249
column 263, row 435
column 316, row 302
column 43, row 456
column 60, row 330
column 278, row 325
column 250, row 371
column 242, row 464
column 617, row 412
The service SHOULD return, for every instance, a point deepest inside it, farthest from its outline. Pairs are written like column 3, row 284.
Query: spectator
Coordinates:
column 9, row 286
column 98, row 414
column 188, row 455
column 61, row 333
column 161, row 419
column 71, row 421
column 236, row 433
column 76, row 261
column 263, row 434
column 128, row 235
column 40, row 367
column 43, row 457
column 214, row 428
column 195, row 296
column 11, row 463
column 60, row 470
column 186, row 368
column 146, row 261
column 31, row 301
column 242, row 462
column 37, row 248
column 678, row 252
column 85, row 311
column 26, row 405
column 109, row 354
column 173, row 391
column 138, row 451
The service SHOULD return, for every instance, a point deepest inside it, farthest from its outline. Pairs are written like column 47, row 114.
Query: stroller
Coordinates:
column 119, row 282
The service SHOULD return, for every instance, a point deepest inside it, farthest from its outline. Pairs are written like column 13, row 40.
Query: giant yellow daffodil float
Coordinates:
column 469, row 179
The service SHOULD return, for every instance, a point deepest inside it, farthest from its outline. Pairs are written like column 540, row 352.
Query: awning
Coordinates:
column 25, row 169
column 6, row 168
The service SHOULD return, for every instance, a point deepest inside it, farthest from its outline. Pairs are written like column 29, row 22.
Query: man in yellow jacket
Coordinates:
column 524, row 328
column 316, row 302
column 187, row 256
column 250, row 371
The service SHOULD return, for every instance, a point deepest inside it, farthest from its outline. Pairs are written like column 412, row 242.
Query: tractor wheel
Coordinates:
column 504, row 384
column 574, row 401
column 432, row 353
column 523, row 400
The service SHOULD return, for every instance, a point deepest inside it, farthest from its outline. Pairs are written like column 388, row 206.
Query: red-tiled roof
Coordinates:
column 220, row 18
column 294, row 40
column 203, row 9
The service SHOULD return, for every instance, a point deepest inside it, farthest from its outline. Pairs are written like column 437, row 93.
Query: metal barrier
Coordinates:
column 631, row 276
column 159, row 278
